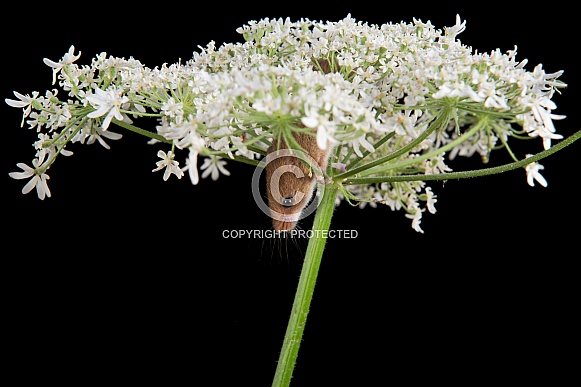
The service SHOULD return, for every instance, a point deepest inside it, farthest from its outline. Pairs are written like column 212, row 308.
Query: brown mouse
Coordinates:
column 291, row 175
column 290, row 180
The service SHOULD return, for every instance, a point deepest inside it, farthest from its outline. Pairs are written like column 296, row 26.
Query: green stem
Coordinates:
column 474, row 173
column 440, row 121
column 306, row 286
column 383, row 168
column 138, row 130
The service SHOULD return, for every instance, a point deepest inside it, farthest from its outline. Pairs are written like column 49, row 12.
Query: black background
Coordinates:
column 121, row 276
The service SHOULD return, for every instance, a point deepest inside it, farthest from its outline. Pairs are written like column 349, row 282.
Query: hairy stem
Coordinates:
column 474, row 173
column 298, row 317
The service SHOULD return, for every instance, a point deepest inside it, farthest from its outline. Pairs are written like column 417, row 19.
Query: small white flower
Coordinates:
column 543, row 125
column 457, row 90
column 431, row 201
column 98, row 134
column 171, row 166
column 414, row 213
column 172, row 109
column 493, row 97
column 325, row 128
column 25, row 100
column 68, row 58
column 458, row 28
column 38, row 180
column 107, row 102
column 416, row 218
column 213, row 166
column 534, row 174
column 24, row 103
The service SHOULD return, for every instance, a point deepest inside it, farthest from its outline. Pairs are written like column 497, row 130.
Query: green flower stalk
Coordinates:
column 389, row 105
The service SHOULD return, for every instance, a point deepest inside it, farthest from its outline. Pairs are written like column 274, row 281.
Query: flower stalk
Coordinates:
column 140, row 131
column 304, row 294
column 471, row 173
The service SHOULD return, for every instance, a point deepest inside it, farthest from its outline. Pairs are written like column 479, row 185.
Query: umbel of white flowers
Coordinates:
column 389, row 100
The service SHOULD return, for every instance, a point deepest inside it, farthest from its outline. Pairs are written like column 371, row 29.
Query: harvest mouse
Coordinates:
column 291, row 176
column 290, row 180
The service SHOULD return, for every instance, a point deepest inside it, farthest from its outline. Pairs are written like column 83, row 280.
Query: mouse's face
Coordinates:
column 289, row 187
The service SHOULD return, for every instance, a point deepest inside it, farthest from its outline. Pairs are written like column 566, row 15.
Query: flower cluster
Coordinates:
column 388, row 101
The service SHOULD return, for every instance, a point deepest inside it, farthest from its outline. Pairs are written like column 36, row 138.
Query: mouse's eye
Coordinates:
column 287, row 202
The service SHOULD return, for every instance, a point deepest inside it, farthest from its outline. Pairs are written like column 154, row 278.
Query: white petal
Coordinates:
column 30, row 185
column 16, row 104
column 310, row 122
column 19, row 175
column 52, row 64
column 322, row 138
column 111, row 135
column 541, row 179
column 193, row 168
column 223, row 170
column 102, row 110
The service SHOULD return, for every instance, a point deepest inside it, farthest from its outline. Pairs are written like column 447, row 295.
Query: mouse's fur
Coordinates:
column 291, row 177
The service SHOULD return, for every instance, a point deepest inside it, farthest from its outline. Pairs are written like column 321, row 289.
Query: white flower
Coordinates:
column 172, row 109
column 431, row 201
column 98, row 134
column 533, row 174
column 171, row 166
column 415, row 213
column 392, row 78
column 493, row 98
column 458, row 28
column 325, row 128
column 214, row 165
column 196, row 144
column 38, row 180
column 43, row 150
column 68, row 58
column 25, row 102
column 107, row 102
column 403, row 124
column 457, row 90
column 543, row 126
column 416, row 218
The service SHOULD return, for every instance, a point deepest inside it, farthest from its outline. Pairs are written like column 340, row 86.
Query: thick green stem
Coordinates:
column 298, row 317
